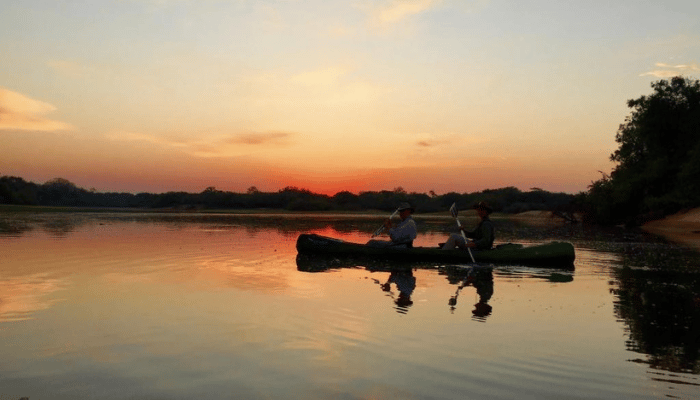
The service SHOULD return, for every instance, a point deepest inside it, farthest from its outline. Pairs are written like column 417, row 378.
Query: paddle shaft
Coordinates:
column 381, row 228
column 466, row 242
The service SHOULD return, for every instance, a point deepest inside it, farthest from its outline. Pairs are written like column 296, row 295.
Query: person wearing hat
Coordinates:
column 482, row 236
column 402, row 234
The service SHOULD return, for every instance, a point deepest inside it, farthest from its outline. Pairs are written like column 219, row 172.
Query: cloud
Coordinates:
column 19, row 112
column 259, row 138
column 215, row 146
column 450, row 140
column 667, row 71
column 323, row 92
column 395, row 11
column 122, row 136
column 431, row 143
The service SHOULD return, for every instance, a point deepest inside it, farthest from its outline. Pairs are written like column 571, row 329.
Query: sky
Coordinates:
column 329, row 96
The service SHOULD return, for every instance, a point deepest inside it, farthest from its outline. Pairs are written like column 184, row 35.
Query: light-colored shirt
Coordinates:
column 405, row 232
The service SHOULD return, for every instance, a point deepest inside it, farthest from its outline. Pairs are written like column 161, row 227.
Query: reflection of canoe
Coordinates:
column 553, row 254
column 320, row 262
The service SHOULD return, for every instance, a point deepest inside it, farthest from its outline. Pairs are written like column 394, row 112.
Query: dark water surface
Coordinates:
column 153, row 306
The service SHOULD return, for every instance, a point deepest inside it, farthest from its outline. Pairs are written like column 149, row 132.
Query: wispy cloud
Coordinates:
column 394, row 11
column 449, row 140
column 19, row 112
column 253, row 139
column 214, row 146
column 320, row 90
column 429, row 143
column 666, row 70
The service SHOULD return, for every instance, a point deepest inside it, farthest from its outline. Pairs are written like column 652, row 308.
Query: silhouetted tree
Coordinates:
column 658, row 159
column 61, row 192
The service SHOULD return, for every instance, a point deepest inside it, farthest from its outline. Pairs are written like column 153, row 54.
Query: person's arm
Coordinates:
column 469, row 234
column 472, row 234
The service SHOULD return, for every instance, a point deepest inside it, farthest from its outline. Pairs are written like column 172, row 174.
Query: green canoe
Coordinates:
column 551, row 255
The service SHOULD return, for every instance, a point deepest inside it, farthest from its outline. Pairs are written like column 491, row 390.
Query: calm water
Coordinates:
column 147, row 306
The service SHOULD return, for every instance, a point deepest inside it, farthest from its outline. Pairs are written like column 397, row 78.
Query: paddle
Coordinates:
column 453, row 210
column 381, row 228
column 469, row 279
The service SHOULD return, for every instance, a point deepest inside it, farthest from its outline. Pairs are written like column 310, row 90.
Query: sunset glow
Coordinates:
column 441, row 95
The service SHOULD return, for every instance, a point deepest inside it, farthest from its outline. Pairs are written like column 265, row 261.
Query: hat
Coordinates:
column 406, row 206
column 482, row 309
column 484, row 205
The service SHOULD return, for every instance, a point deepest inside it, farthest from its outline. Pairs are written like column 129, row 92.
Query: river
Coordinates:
column 212, row 306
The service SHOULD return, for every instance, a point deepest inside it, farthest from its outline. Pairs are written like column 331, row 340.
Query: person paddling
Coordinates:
column 483, row 235
column 402, row 234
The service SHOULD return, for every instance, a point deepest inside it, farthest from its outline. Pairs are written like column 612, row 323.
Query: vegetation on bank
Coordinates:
column 60, row 192
column 658, row 160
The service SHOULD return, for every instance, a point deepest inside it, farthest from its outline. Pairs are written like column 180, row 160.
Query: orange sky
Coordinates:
column 427, row 95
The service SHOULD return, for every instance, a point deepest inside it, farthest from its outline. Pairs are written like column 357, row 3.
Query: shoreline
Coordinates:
column 682, row 228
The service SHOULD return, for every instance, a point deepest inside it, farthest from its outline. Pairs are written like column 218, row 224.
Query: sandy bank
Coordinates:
column 682, row 228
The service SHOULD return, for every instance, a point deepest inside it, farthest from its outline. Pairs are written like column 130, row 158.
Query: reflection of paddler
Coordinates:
column 405, row 282
column 484, row 289
column 482, row 310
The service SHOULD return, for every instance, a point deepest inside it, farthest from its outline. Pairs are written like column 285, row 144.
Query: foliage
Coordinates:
column 61, row 192
column 658, row 159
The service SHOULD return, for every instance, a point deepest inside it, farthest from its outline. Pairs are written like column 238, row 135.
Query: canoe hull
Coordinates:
column 552, row 255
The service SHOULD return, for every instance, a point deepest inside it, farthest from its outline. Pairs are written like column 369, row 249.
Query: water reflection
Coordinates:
column 323, row 262
column 662, row 312
column 58, row 225
column 13, row 227
column 479, row 277
column 401, row 276
column 21, row 297
column 400, row 273
column 288, row 224
column 514, row 272
column 405, row 283
column 241, row 277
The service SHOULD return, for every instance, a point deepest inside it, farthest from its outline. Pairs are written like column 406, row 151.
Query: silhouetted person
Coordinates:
column 482, row 236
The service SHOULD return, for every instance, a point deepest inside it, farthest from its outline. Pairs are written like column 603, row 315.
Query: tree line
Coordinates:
column 61, row 192
column 658, row 159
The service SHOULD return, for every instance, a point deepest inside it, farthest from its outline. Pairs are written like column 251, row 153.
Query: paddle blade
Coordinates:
column 453, row 210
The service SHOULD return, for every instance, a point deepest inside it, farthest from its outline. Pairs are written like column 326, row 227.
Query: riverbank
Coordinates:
column 682, row 228
column 539, row 218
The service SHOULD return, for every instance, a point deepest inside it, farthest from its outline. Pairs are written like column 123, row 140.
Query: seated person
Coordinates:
column 403, row 234
column 483, row 236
